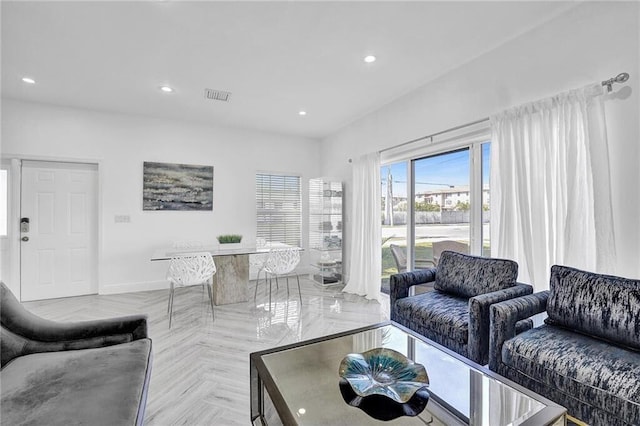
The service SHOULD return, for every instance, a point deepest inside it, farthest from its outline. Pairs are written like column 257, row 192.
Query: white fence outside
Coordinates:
column 443, row 217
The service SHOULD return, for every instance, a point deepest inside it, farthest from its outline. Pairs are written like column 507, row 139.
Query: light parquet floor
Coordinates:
column 200, row 373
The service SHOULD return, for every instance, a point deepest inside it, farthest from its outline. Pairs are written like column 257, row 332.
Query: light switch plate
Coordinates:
column 122, row 218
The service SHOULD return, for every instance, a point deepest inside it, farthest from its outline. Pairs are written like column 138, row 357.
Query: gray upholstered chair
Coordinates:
column 456, row 313
column 91, row 372
column 586, row 357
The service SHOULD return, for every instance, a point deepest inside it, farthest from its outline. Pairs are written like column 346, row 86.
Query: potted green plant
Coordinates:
column 230, row 240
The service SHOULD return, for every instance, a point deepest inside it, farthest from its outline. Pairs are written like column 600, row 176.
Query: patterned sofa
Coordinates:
column 456, row 313
column 79, row 373
column 586, row 356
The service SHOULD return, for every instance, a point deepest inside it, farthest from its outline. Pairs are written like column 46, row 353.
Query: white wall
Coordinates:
column 121, row 143
column 591, row 42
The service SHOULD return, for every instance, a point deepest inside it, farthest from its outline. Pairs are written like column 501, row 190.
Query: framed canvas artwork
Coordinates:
column 168, row 186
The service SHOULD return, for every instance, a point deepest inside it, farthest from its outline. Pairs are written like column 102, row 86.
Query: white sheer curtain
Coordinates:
column 550, row 186
column 365, row 239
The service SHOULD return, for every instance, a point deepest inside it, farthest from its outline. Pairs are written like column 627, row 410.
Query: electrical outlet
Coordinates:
column 122, row 218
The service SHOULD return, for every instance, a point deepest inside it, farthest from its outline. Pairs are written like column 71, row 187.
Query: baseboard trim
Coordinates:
column 134, row 287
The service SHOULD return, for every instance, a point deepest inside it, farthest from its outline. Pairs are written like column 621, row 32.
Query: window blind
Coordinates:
column 279, row 208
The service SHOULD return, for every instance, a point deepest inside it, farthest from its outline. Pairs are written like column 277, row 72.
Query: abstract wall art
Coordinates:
column 168, row 186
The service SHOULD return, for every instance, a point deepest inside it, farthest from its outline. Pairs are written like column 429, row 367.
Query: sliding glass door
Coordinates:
column 485, row 149
column 441, row 206
column 433, row 203
column 394, row 211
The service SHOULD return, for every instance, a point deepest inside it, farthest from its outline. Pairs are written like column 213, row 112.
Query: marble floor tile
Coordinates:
column 200, row 373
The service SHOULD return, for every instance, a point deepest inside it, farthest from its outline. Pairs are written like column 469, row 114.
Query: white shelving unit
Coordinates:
column 325, row 230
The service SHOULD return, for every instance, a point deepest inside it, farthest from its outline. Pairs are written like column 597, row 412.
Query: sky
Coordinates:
column 436, row 172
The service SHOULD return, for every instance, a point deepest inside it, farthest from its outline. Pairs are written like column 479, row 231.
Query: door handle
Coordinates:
column 25, row 238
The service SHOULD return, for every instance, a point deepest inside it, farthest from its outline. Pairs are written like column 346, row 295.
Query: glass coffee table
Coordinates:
column 299, row 384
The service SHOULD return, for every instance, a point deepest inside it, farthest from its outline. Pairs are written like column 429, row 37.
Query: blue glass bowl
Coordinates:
column 385, row 372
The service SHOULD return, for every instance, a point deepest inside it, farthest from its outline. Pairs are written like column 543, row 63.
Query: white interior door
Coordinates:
column 4, row 223
column 58, row 252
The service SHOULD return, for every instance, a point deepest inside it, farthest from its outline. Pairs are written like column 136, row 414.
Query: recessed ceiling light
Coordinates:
column 370, row 58
column 166, row 89
column 28, row 80
column 302, row 112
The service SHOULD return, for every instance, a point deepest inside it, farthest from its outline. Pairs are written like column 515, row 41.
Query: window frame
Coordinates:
column 471, row 138
column 266, row 227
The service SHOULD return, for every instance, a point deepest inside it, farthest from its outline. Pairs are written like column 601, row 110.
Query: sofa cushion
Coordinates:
column 599, row 305
column 439, row 312
column 102, row 386
column 590, row 370
column 468, row 276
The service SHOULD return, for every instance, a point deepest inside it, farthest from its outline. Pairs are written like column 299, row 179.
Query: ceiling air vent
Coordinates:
column 217, row 95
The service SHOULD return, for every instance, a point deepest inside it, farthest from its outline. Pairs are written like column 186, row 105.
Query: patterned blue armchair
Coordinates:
column 456, row 313
column 586, row 356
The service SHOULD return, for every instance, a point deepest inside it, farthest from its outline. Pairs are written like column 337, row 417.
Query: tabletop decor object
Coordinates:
column 229, row 239
column 384, row 383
